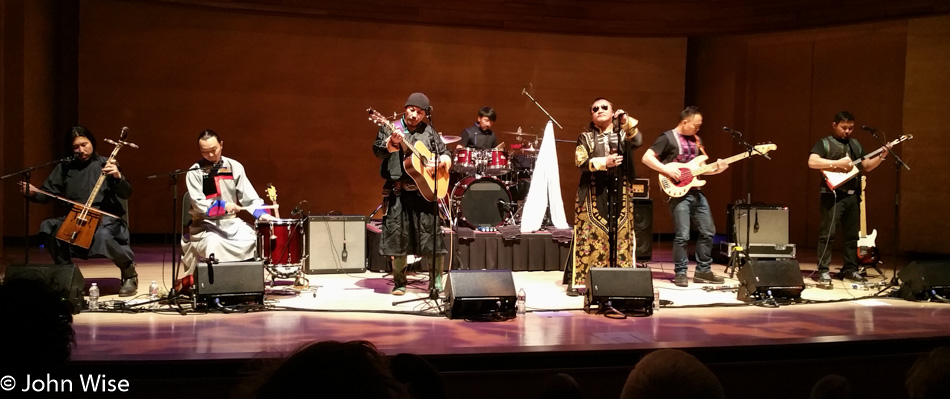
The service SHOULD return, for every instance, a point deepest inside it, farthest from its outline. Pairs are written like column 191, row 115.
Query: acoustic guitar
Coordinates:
column 691, row 170
column 431, row 189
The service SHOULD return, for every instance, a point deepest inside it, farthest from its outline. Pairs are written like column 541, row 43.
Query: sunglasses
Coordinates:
column 602, row 106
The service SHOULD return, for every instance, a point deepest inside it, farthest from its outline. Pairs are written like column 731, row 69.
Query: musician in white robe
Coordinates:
column 217, row 190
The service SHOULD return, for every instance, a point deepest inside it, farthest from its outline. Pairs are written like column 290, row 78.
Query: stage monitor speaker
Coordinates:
column 480, row 294
column 67, row 280
column 643, row 228
column 922, row 281
column 762, row 279
column 231, row 282
column 336, row 244
column 622, row 288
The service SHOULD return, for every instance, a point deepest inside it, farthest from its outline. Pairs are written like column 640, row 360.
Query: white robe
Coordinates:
column 228, row 237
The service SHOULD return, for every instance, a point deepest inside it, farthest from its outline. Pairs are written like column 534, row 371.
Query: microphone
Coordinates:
column 868, row 128
column 733, row 131
column 344, row 254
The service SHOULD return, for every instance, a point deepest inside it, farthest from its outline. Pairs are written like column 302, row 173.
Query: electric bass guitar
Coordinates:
column 867, row 251
column 431, row 189
column 691, row 170
column 80, row 224
column 836, row 179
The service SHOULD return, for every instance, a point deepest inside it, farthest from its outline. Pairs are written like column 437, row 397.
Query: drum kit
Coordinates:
column 488, row 186
column 280, row 244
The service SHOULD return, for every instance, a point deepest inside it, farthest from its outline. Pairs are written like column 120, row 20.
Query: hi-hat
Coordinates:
column 450, row 139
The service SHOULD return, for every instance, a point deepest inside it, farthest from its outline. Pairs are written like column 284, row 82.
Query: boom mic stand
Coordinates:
column 25, row 180
column 177, row 223
column 898, row 162
column 734, row 260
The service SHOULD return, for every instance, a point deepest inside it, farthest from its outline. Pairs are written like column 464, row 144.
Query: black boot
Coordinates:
column 130, row 281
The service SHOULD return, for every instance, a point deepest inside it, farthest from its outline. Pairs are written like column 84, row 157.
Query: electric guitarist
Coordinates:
column 834, row 153
column 73, row 181
column 410, row 224
column 682, row 145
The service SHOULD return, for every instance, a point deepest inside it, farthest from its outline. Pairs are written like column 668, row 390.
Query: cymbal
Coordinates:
column 450, row 139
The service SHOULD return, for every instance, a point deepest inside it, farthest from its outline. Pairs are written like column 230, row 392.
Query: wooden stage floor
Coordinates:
column 359, row 306
column 844, row 330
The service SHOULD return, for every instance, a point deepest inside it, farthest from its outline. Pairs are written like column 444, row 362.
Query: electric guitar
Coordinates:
column 431, row 189
column 691, row 170
column 836, row 179
column 867, row 252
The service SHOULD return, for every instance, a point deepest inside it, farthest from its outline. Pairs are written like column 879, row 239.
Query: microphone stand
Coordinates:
column 25, row 179
column 735, row 262
column 614, row 194
column 898, row 162
column 525, row 92
column 177, row 222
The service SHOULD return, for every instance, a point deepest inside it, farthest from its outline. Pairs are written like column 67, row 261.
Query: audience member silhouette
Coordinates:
column 38, row 334
column 419, row 377
column 831, row 387
column 929, row 377
column 671, row 373
column 561, row 386
column 331, row 369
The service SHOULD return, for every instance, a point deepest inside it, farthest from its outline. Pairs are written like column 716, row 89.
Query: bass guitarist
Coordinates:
column 75, row 181
column 835, row 153
column 681, row 144
column 410, row 221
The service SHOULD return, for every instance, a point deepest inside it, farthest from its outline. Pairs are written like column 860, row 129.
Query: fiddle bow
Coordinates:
column 81, row 222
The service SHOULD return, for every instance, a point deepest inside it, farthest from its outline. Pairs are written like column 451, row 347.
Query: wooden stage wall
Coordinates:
column 288, row 94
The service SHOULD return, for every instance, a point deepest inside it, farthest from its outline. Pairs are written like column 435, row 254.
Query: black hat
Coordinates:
column 419, row 100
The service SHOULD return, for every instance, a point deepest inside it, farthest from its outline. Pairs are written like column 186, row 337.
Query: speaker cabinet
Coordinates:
column 622, row 288
column 767, row 224
column 920, row 281
column 336, row 244
column 643, row 228
column 67, row 280
column 480, row 294
column 761, row 279
column 230, row 281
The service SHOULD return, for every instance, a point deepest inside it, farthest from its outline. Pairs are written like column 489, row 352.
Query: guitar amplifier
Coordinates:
column 641, row 188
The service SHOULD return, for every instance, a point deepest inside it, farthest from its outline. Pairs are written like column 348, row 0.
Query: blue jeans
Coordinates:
column 692, row 206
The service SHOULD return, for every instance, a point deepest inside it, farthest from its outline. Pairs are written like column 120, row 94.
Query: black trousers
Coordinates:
column 845, row 210
column 111, row 241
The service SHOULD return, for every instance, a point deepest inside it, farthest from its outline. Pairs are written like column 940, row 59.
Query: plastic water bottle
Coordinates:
column 94, row 297
column 520, row 304
column 656, row 299
column 153, row 290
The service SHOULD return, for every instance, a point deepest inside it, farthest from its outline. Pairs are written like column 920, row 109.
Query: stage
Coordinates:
column 828, row 332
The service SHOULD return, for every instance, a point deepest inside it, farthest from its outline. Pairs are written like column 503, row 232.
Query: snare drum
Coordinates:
column 464, row 161
column 280, row 242
column 497, row 162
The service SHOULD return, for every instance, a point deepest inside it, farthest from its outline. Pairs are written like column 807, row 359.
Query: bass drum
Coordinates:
column 481, row 202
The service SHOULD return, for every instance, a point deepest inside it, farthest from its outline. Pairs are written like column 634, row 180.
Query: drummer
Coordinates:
column 480, row 135
column 218, row 188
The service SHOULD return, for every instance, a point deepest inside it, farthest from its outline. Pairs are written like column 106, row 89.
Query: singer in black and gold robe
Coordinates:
column 597, row 156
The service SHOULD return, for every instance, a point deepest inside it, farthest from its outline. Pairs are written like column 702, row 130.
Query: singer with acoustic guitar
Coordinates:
column 681, row 145
column 409, row 150
column 74, row 181
column 835, row 153
column 218, row 188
